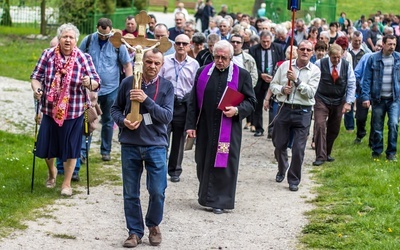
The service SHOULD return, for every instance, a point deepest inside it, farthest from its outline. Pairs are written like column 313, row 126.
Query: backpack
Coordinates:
column 121, row 69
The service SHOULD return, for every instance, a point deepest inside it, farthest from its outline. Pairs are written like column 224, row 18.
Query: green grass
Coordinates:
column 357, row 206
column 19, row 54
column 17, row 203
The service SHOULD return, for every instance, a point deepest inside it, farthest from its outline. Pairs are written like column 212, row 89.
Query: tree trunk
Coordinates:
column 43, row 22
column 256, row 6
column 6, row 17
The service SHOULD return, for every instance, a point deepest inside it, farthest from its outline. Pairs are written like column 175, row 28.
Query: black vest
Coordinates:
column 332, row 93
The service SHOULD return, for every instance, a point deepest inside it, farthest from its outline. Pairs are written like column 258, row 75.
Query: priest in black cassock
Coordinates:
column 218, row 132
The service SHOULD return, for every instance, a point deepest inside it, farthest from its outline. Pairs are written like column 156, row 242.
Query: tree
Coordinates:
column 80, row 13
column 6, row 17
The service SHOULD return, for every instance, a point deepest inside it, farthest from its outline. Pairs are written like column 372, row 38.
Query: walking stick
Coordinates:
column 87, row 134
column 34, row 145
column 87, row 163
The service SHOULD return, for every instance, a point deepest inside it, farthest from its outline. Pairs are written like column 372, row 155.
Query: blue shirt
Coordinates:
column 106, row 61
column 359, row 69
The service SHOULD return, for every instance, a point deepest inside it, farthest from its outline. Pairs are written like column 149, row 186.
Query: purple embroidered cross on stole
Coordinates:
column 221, row 159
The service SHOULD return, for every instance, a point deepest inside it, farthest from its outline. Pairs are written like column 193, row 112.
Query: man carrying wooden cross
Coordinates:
column 144, row 143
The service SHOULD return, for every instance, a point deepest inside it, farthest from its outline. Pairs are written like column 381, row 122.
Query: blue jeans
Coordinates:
column 349, row 118
column 154, row 159
column 107, row 123
column 379, row 110
column 83, row 146
column 60, row 166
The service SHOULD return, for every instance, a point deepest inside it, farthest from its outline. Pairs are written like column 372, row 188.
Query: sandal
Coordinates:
column 51, row 182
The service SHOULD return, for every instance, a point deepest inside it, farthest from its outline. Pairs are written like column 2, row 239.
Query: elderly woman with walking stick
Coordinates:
column 63, row 73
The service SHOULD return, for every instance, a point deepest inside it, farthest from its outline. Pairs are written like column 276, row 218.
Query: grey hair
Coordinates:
column 213, row 38
column 68, row 27
column 223, row 44
column 325, row 34
column 335, row 48
column 265, row 33
column 281, row 30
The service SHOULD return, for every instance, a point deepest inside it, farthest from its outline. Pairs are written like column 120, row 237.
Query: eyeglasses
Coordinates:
column 223, row 58
column 104, row 35
column 236, row 42
column 181, row 44
column 304, row 49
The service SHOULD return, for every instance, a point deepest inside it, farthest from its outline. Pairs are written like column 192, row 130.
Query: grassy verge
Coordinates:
column 16, row 200
column 357, row 206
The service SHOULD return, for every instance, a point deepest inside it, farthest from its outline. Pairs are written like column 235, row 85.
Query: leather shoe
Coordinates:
column 279, row 177
column 330, row 159
column 132, row 241
column 175, row 179
column 258, row 133
column 75, row 177
column 106, row 157
column 218, row 211
column 318, row 163
column 293, row 187
column 155, row 237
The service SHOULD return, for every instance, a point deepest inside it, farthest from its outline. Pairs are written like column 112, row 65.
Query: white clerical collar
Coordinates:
column 230, row 74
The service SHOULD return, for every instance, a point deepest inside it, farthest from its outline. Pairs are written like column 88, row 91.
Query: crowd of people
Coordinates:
column 335, row 70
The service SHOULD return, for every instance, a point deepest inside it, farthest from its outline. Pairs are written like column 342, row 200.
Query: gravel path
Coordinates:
column 267, row 214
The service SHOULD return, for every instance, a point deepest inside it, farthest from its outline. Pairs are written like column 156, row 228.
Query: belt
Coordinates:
column 294, row 106
column 178, row 100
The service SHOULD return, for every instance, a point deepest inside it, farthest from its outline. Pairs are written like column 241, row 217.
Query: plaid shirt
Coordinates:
column 45, row 72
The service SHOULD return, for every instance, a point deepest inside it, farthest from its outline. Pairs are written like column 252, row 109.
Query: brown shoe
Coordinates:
column 132, row 241
column 155, row 236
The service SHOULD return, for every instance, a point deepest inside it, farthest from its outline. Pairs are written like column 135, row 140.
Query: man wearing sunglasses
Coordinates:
column 294, row 84
column 106, row 59
column 180, row 69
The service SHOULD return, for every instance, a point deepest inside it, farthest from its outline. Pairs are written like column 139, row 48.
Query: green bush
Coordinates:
column 78, row 12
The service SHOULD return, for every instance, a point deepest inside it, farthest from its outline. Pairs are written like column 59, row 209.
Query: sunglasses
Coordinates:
column 236, row 42
column 181, row 44
column 104, row 35
column 223, row 58
column 304, row 49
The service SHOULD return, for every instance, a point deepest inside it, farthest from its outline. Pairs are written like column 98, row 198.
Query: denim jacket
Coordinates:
column 373, row 74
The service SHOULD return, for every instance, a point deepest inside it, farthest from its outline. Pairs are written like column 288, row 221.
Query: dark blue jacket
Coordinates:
column 373, row 74
column 160, row 111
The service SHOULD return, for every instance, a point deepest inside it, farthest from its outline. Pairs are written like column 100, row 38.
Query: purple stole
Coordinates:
column 221, row 159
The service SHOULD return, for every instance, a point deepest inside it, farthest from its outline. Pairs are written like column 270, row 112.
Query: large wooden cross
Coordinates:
column 139, row 44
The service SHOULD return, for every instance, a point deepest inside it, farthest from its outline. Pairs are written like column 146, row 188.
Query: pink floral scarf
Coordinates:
column 59, row 88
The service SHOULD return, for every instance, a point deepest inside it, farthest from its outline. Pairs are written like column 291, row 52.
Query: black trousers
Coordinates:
column 297, row 120
column 177, row 140
column 258, row 112
column 361, row 119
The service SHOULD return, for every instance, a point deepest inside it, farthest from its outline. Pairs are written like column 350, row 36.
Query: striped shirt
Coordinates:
column 386, row 90
column 45, row 71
